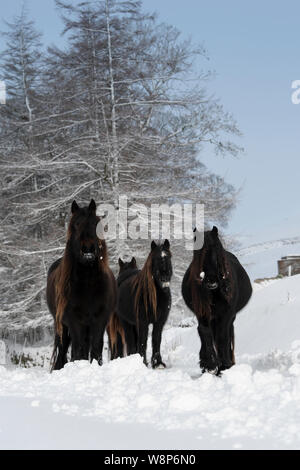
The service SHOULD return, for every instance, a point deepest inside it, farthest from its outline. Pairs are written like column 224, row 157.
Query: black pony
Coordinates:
column 215, row 287
column 81, row 290
column 144, row 297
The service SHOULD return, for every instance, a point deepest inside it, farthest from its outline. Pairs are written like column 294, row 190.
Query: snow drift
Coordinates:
column 121, row 405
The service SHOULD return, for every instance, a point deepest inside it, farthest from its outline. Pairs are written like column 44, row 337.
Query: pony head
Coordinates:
column 85, row 246
column 211, row 261
column 210, row 272
column 156, row 273
column 124, row 266
column 161, row 264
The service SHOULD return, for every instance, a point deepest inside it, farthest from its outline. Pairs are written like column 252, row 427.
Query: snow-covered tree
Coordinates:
column 120, row 110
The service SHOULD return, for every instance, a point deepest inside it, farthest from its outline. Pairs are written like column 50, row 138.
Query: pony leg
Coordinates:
column 156, row 359
column 60, row 350
column 80, row 342
column 130, row 338
column 96, row 341
column 224, row 337
column 116, row 337
column 208, row 356
column 119, row 346
column 142, row 341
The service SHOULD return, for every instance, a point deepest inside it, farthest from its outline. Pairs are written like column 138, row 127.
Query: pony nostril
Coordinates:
column 88, row 249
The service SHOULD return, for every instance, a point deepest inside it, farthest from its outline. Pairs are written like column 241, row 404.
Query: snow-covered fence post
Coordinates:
column 2, row 92
column 2, row 353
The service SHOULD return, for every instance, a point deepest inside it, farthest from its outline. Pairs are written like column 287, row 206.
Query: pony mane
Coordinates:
column 145, row 288
column 63, row 277
column 201, row 297
column 62, row 288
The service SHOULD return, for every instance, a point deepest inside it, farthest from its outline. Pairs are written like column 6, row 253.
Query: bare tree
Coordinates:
column 120, row 110
column 150, row 113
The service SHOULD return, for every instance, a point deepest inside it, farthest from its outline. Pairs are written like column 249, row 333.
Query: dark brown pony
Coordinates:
column 215, row 287
column 144, row 297
column 115, row 330
column 201, row 289
column 81, row 290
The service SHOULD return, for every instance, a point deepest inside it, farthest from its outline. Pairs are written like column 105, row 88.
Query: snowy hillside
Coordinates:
column 260, row 260
column 272, row 318
column 124, row 405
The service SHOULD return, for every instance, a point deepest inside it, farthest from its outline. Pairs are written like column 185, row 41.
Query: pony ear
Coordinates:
column 214, row 231
column 121, row 263
column 166, row 244
column 153, row 245
column 74, row 207
column 92, row 206
column 195, row 231
column 133, row 261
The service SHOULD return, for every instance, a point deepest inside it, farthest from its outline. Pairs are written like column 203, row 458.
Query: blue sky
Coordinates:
column 254, row 47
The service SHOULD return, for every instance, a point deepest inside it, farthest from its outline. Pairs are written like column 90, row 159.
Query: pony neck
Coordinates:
column 197, row 255
column 87, row 271
column 126, row 274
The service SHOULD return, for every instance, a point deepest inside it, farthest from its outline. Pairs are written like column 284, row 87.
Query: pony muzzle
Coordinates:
column 212, row 285
column 88, row 256
column 165, row 284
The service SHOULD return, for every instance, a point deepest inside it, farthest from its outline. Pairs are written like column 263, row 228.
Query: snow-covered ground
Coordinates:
column 124, row 405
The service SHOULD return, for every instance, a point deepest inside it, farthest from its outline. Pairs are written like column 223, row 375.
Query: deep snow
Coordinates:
column 124, row 405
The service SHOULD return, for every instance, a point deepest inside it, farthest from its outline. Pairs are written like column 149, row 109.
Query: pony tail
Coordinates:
column 116, row 337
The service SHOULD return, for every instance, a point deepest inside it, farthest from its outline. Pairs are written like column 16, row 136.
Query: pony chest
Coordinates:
column 219, row 306
column 163, row 305
column 85, row 294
